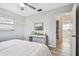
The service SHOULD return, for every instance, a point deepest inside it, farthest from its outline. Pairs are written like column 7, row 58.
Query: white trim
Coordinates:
column 73, row 14
column 51, row 45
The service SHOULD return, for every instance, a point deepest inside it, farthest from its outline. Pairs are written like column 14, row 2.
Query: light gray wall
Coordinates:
column 19, row 26
column 49, row 23
column 25, row 25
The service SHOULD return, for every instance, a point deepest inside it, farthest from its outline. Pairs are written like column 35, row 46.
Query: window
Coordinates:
column 67, row 26
column 6, row 23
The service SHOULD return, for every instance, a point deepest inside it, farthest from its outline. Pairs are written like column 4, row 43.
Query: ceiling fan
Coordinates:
column 30, row 6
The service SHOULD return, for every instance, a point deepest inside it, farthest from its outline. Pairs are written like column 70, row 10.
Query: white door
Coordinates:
column 73, row 15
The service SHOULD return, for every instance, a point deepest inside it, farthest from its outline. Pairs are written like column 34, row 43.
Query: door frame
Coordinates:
column 73, row 15
column 60, row 14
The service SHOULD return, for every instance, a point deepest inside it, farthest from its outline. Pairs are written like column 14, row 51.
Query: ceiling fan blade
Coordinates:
column 30, row 6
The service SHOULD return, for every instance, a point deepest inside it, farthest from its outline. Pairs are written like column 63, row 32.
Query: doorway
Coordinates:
column 66, row 30
column 63, row 35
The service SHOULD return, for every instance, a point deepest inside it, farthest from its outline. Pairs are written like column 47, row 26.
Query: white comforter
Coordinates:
column 23, row 48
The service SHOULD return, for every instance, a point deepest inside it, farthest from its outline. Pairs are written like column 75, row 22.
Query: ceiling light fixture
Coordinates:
column 26, row 4
column 21, row 4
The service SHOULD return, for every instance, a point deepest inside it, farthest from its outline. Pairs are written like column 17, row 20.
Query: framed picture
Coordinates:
column 38, row 26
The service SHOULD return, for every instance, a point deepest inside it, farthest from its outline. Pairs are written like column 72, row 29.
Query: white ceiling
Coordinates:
column 14, row 7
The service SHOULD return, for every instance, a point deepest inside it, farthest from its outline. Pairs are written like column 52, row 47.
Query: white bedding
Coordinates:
column 23, row 48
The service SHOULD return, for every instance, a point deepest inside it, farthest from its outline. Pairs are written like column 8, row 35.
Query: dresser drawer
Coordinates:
column 39, row 40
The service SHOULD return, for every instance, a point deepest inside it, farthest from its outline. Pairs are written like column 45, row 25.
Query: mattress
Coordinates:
column 18, row 47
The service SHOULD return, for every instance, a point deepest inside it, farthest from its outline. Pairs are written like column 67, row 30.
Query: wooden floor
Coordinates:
column 63, row 48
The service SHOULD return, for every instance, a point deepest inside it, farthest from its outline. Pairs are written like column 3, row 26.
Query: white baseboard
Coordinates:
column 51, row 46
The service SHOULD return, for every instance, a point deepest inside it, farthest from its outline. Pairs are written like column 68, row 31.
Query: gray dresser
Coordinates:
column 39, row 39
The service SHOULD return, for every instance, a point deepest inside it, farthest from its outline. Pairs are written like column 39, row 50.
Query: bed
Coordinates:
column 18, row 47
